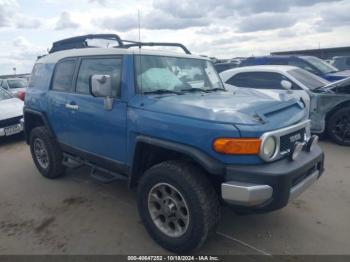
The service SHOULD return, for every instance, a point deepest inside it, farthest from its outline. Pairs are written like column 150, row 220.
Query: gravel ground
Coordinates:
column 77, row 215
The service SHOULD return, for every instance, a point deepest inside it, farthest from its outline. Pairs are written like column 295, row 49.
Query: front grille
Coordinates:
column 287, row 141
column 10, row 121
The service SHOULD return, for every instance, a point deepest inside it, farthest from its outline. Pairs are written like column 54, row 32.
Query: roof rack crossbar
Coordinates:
column 140, row 44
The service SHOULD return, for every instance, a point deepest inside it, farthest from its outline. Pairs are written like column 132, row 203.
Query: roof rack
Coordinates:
column 81, row 42
column 140, row 44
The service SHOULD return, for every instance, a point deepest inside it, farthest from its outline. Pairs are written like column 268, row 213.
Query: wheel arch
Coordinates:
column 150, row 151
column 336, row 108
column 32, row 119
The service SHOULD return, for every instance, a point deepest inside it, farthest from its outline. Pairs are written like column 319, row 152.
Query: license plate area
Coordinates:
column 11, row 130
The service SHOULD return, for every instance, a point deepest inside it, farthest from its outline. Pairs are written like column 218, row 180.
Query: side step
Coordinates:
column 105, row 176
column 98, row 173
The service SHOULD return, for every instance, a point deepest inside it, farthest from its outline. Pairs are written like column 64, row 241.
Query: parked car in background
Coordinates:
column 274, row 80
column 330, row 111
column 165, row 123
column 341, row 62
column 11, row 114
column 14, row 85
column 309, row 63
column 329, row 103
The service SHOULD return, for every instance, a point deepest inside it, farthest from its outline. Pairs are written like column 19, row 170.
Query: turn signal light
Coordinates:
column 237, row 146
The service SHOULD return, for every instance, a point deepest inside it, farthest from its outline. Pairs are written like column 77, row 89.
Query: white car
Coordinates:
column 11, row 114
column 274, row 80
column 14, row 85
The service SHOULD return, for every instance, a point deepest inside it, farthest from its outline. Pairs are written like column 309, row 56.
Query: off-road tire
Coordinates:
column 201, row 198
column 55, row 167
column 332, row 122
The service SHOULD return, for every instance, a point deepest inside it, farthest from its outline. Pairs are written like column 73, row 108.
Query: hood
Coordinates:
column 338, row 87
column 229, row 108
column 9, row 108
column 338, row 75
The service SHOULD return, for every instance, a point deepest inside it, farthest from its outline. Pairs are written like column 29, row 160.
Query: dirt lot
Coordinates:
column 77, row 215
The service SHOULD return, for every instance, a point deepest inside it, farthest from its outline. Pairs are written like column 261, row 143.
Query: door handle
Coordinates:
column 72, row 107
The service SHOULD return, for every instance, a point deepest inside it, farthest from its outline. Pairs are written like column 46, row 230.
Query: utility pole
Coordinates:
column 14, row 70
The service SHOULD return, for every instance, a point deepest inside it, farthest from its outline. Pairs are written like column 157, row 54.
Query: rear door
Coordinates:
column 93, row 129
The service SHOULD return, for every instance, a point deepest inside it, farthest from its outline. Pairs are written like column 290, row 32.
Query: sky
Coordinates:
column 221, row 28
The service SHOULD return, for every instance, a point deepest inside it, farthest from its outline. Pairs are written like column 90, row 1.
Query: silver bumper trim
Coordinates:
column 303, row 185
column 245, row 194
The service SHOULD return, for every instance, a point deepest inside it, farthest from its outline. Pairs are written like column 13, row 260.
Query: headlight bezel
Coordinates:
column 264, row 142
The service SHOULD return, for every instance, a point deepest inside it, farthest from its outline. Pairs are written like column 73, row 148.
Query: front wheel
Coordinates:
column 178, row 205
column 338, row 126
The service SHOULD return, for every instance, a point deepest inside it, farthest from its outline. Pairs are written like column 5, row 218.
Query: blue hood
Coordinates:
column 229, row 108
column 338, row 75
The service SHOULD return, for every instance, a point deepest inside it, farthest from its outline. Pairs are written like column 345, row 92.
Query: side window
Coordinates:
column 259, row 80
column 64, row 75
column 99, row 66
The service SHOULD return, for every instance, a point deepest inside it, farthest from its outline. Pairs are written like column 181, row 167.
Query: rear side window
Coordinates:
column 99, row 66
column 260, row 80
column 63, row 76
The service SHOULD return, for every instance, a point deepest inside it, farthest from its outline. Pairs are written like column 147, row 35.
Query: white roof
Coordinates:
column 56, row 56
column 258, row 68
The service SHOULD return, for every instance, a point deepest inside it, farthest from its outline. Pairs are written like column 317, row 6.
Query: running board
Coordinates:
column 98, row 173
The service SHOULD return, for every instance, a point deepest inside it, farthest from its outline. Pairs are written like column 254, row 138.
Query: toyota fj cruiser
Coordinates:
column 164, row 122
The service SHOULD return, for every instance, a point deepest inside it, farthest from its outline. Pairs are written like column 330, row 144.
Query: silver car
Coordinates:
column 13, row 85
column 11, row 114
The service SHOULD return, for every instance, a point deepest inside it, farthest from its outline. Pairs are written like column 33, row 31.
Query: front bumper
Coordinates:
column 272, row 185
column 18, row 127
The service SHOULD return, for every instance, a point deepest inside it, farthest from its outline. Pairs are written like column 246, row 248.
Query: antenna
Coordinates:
column 139, row 24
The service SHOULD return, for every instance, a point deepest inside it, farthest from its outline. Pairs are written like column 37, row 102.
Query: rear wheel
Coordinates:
column 338, row 126
column 46, row 153
column 178, row 205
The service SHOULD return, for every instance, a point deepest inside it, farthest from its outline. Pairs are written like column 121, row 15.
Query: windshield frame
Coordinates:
column 309, row 76
column 139, row 90
column 312, row 60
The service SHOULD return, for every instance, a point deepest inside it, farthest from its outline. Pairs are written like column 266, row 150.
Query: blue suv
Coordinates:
column 164, row 122
column 309, row 63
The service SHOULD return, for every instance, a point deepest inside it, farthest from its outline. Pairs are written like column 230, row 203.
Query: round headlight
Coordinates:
column 269, row 147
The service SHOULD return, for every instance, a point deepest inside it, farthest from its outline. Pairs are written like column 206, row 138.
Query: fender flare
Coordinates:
column 211, row 165
column 41, row 115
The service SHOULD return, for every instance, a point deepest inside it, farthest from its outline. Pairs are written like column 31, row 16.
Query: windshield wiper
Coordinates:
column 163, row 91
column 194, row 89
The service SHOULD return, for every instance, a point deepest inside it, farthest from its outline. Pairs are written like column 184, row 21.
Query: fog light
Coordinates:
column 298, row 147
column 312, row 143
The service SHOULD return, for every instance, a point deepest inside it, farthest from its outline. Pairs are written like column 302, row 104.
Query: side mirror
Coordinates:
column 286, row 84
column 101, row 85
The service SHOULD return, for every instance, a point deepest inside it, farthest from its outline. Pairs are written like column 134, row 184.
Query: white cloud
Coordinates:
column 65, row 21
column 224, row 28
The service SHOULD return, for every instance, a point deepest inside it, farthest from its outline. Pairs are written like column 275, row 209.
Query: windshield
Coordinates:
column 16, row 83
column 174, row 74
column 4, row 95
column 321, row 65
column 311, row 81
